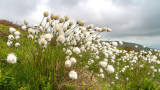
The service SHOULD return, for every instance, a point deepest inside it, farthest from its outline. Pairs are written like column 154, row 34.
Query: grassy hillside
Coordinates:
column 67, row 59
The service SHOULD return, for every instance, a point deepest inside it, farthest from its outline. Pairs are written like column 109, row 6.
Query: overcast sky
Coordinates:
column 136, row 21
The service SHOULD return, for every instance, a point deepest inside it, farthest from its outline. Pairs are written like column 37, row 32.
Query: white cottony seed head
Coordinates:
column 68, row 63
column 11, row 58
column 42, row 42
column 24, row 28
column 61, row 38
column 73, row 60
column 73, row 75
column 76, row 50
column 16, row 33
column 110, row 69
column 103, row 63
column 17, row 45
column 12, row 30
column 10, row 37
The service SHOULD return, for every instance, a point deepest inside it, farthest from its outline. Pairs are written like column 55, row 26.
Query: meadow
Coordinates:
column 61, row 54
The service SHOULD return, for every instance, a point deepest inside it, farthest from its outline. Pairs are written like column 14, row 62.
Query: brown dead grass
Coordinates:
column 9, row 23
column 84, row 77
column 129, row 48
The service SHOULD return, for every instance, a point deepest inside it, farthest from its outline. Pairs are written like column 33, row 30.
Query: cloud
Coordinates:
column 17, row 9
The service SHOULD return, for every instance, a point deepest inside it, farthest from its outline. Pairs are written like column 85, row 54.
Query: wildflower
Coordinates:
column 154, row 70
column 81, row 22
column 76, row 50
column 48, row 19
column 61, row 38
column 42, row 41
column 9, row 43
column 97, row 57
column 101, row 75
column 110, row 69
column 64, row 28
column 11, row 58
column 136, row 46
column 68, row 63
column 106, row 60
column 116, row 78
column 25, row 22
column 58, row 27
column 17, row 37
column 98, row 37
column 104, row 29
column 120, row 43
column 73, row 75
column 12, row 30
column 88, row 43
column 73, row 60
column 158, row 62
column 151, row 67
column 16, row 33
column 90, row 26
column 103, row 63
column 35, row 41
column 100, row 29
column 114, row 44
column 101, row 70
column 48, row 36
column 30, row 30
column 68, row 52
column 70, row 23
column 30, row 36
column 45, row 14
column 56, row 17
column 66, row 18
column 17, row 45
column 127, row 79
column 109, row 30
column 61, row 20
column 112, row 82
column 10, row 37
column 52, row 16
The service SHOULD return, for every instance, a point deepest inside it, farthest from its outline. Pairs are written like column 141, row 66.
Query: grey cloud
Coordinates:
column 143, row 22
column 63, row 4
column 16, row 9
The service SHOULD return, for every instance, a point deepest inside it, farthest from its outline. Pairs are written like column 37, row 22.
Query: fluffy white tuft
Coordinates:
column 110, row 69
column 73, row 60
column 73, row 75
column 103, row 63
column 17, row 45
column 12, row 30
column 61, row 38
column 11, row 58
column 24, row 28
column 76, row 50
column 68, row 63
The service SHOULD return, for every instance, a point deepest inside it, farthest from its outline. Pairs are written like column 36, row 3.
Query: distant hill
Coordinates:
column 128, row 45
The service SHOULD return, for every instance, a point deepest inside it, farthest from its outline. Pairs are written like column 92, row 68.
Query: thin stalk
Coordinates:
column 42, row 20
column 63, row 23
column 72, row 28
